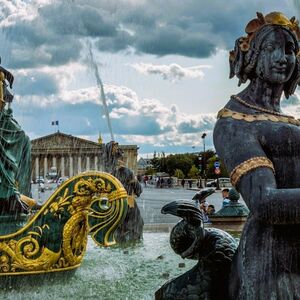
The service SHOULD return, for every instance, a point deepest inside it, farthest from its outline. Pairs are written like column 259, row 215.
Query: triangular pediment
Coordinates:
column 60, row 140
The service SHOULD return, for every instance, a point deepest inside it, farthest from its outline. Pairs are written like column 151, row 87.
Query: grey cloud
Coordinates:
column 138, row 125
column 52, row 38
column 121, row 41
column 193, row 126
column 191, row 28
column 29, row 48
column 35, row 83
column 172, row 72
column 83, row 119
column 173, row 40
column 72, row 19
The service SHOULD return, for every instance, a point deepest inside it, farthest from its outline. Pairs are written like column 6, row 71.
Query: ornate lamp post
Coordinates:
column 204, row 158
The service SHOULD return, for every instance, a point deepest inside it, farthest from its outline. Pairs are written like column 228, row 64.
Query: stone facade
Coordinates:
column 72, row 155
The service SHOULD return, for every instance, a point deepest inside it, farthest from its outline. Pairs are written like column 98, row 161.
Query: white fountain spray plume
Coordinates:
column 101, row 88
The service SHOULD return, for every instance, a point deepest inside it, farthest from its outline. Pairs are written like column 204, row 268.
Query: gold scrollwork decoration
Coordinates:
column 55, row 238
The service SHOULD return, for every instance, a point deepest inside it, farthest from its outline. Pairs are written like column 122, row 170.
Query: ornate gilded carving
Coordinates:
column 55, row 238
column 2, row 102
column 247, row 166
column 227, row 113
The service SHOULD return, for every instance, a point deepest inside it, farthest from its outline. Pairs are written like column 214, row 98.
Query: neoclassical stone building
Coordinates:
column 72, row 155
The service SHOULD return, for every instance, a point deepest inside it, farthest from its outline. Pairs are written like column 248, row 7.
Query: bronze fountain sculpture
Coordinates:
column 131, row 229
column 54, row 239
column 260, row 148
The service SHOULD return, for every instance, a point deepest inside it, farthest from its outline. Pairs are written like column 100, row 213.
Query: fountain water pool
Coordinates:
column 133, row 272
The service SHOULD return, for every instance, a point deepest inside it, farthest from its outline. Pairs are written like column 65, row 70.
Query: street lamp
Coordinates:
column 204, row 158
column 200, row 169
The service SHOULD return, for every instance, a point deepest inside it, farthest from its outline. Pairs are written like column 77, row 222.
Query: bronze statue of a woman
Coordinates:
column 260, row 146
column 15, row 157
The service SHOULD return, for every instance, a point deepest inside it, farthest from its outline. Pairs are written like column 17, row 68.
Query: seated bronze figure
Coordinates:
column 15, row 162
column 260, row 147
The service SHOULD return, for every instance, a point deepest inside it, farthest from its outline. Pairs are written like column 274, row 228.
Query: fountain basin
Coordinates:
column 133, row 272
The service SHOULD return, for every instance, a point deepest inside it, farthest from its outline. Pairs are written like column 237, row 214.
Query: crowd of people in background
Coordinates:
column 159, row 182
column 167, row 182
column 209, row 209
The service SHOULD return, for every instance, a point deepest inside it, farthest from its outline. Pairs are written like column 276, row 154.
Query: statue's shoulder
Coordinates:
column 236, row 130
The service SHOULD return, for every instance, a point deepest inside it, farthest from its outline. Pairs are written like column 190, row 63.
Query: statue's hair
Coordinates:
column 112, row 153
column 244, row 63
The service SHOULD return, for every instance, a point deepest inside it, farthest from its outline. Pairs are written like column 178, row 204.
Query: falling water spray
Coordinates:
column 101, row 89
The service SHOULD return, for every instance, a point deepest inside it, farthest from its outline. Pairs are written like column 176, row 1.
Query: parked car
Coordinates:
column 40, row 179
column 61, row 180
column 223, row 182
column 52, row 173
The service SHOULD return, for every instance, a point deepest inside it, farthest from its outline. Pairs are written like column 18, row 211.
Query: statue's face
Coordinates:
column 277, row 58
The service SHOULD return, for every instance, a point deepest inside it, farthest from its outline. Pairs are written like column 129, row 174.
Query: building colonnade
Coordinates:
column 67, row 165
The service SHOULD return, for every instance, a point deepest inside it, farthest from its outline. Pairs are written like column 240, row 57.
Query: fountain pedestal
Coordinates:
column 232, row 217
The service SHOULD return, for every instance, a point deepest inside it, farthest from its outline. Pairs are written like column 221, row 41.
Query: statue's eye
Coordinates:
column 289, row 48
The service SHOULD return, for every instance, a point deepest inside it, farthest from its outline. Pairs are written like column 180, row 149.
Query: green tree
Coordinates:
column 155, row 162
column 193, row 172
column 183, row 162
column 179, row 174
column 150, row 171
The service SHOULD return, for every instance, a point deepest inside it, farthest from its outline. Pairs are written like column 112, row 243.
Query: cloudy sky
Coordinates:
column 163, row 63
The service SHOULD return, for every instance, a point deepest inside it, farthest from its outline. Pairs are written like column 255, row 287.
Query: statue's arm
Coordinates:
column 258, row 186
column 266, row 201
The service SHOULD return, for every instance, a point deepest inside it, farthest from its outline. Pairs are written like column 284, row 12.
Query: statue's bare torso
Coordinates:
column 269, row 254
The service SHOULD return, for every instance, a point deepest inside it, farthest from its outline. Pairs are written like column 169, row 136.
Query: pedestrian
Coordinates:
column 183, row 182
column 225, row 195
column 204, row 205
column 145, row 180
column 157, row 182
column 169, row 182
column 199, row 185
column 210, row 210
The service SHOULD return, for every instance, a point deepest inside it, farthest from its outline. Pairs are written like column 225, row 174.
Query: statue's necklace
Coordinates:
column 227, row 113
column 237, row 98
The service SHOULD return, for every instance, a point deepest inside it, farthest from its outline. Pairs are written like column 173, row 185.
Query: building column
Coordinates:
column 96, row 163
column 79, row 165
column 53, row 161
column 102, row 168
column 45, row 166
column 62, row 166
column 71, row 166
column 87, row 163
column 37, row 167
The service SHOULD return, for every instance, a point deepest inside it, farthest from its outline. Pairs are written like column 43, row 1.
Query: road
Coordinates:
column 150, row 202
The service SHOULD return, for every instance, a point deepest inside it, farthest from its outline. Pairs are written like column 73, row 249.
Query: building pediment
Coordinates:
column 72, row 155
column 62, row 141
